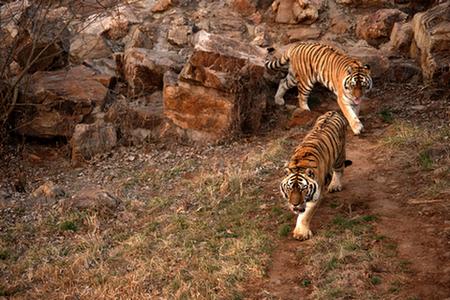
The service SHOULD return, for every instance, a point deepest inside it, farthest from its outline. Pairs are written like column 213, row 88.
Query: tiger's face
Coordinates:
column 299, row 189
column 357, row 83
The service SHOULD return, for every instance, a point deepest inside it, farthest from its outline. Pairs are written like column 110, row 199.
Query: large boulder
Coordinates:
column 138, row 120
column 142, row 36
column 55, row 102
column 376, row 28
column 207, row 114
column 404, row 71
column 340, row 24
column 143, row 69
column 302, row 34
column 113, row 24
column 210, row 95
column 431, row 42
column 244, row 7
column 216, row 62
column 88, row 46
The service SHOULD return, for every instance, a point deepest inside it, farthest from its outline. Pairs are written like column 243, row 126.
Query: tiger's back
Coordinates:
column 323, row 147
column 322, row 150
column 310, row 63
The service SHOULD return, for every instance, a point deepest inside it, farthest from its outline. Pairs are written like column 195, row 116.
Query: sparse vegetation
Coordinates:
column 202, row 247
column 424, row 150
column 340, row 262
column 193, row 227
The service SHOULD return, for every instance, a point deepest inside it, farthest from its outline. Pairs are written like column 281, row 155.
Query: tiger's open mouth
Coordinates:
column 298, row 209
column 357, row 101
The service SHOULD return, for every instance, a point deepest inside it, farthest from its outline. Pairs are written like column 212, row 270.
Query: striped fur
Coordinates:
column 320, row 152
column 310, row 63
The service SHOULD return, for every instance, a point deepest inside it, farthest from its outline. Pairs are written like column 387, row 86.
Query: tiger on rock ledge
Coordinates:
column 322, row 150
column 310, row 63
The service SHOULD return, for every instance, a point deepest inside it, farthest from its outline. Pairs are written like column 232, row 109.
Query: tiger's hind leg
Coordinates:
column 338, row 173
column 304, row 89
column 336, row 181
column 285, row 84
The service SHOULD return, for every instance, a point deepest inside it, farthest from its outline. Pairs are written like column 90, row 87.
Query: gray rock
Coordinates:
column 431, row 42
column 89, row 140
column 90, row 197
column 143, row 69
column 48, row 193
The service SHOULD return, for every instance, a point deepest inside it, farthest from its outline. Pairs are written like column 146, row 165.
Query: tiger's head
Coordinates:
column 299, row 189
column 357, row 83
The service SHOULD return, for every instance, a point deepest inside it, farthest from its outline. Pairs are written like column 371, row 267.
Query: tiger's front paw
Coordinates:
column 279, row 101
column 334, row 187
column 302, row 234
column 357, row 127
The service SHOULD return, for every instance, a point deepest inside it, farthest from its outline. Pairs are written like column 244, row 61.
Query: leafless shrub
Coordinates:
column 250, row 102
column 34, row 36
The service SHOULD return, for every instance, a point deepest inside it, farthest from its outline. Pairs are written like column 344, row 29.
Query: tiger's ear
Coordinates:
column 367, row 67
column 310, row 173
column 349, row 70
column 287, row 171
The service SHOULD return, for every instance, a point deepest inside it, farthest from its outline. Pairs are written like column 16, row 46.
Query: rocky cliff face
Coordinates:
column 194, row 68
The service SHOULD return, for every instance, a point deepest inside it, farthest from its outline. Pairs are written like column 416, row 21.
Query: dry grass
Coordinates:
column 346, row 261
column 199, row 232
column 199, row 239
column 423, row 151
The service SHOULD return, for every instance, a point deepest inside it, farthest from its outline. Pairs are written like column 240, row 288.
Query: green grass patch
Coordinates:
column 284, row 230
column 386, row 116
column 375, row 281
column 426, row 160
column 68, row 225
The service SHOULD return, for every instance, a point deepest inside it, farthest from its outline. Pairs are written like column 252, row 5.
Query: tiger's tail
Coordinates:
column 278, row 63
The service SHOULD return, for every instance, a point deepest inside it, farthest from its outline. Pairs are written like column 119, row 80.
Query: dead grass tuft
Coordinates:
column 422, row 151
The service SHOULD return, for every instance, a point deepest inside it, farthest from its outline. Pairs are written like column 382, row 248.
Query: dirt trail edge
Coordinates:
column 373, row 185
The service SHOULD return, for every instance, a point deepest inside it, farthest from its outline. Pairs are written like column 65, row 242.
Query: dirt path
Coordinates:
column 419, row 231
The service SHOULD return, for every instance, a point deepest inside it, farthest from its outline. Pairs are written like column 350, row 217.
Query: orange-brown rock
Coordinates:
column 56, row 102
column 302, row 34
column 180, row 32
column 376, row 28
column 34, row 50
column 303, row 118
column 244, row 7
column 206, row 111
